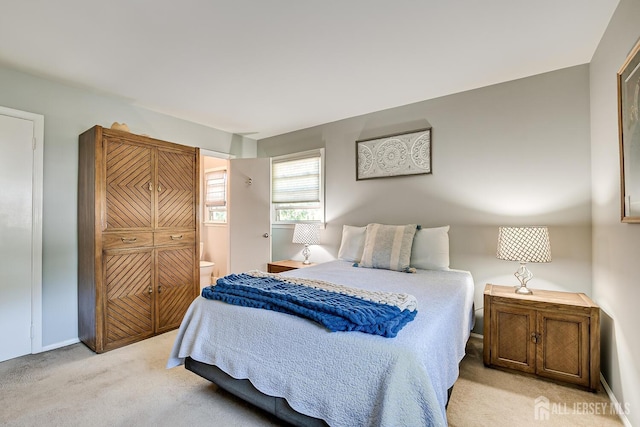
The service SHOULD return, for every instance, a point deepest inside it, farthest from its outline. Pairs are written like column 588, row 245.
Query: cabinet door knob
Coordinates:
column 265, row 235
column 534, row 338
column 150, row 289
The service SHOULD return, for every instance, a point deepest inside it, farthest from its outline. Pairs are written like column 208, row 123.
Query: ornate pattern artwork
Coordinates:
column 394, row 155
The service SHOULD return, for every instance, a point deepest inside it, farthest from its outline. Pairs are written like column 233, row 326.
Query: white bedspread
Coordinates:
column 346, row 378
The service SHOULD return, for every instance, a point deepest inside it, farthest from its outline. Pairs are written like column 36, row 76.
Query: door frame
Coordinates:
column 36, row 225
column 204, row 152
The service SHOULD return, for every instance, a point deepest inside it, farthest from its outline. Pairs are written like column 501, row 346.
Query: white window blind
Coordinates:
column 216, row 188
column 296, row 180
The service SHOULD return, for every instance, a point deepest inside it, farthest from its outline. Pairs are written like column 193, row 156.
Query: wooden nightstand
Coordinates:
column 551, row 334
column 286, row 265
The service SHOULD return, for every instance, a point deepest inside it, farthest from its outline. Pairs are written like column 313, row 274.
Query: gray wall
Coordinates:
column 616, row 246
column 515, row 153
column 68, row 111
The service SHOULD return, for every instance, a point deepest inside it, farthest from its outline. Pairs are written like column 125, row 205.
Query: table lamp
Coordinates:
column 307, row 234
column 524, row 244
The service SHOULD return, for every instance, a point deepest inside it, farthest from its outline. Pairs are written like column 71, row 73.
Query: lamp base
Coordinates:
column 524, row 275
column 306, row 252
column 523, row 290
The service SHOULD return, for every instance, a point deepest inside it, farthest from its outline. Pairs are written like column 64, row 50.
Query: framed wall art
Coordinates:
column 394, row 155
column 629, row 136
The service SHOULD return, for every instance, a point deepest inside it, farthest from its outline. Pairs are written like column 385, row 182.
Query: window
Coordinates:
column 297, row 190
column 215, row 195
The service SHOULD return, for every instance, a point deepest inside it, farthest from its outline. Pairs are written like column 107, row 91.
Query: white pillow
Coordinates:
column 352, row 243
column 430, row 250
column 388, row 247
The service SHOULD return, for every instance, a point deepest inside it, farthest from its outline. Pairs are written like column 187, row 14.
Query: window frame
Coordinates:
column 205, row 208
column 318, row 152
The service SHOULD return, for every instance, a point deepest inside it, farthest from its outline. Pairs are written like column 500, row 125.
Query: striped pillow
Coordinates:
column 388, row 247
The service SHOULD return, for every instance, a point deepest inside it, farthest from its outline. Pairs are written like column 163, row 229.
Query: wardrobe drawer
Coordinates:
column 164, row 238
column 126, row 240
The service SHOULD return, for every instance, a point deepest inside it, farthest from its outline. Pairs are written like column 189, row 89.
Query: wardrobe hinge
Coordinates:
column 34, row 143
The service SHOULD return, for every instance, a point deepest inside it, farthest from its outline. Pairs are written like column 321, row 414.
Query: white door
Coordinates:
column 17, row 254
column 249, row 214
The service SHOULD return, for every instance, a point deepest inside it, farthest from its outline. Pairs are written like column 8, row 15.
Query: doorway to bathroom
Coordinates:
column 214, row 230
column 235, row 227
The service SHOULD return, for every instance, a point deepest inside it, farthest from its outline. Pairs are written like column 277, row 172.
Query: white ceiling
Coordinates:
column 267, row 67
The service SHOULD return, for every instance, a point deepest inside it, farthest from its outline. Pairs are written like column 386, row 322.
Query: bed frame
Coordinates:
column 243, row 388
column 277, row 406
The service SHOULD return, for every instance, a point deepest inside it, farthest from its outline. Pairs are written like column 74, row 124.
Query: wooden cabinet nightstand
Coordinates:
column 552, row 334
column 286, row 265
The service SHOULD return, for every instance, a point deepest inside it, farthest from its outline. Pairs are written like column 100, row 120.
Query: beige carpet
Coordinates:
column 72, row 386
column 490, row 397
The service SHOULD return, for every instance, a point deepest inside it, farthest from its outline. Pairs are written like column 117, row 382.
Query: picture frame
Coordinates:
column 400, row 154
column 628, row 78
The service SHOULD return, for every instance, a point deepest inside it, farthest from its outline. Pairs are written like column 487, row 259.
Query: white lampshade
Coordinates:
column 308, row 234
column 524, row 244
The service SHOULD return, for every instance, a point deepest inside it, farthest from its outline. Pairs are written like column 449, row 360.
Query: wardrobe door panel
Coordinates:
column 129, row 296
column 176, row 189
column 129, row 185
column 177, row 286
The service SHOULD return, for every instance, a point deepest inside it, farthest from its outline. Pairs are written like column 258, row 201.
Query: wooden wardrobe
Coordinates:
column 138, row 234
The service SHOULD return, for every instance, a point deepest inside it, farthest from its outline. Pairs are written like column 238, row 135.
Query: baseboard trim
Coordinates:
column 59, row 345
column 614, row 402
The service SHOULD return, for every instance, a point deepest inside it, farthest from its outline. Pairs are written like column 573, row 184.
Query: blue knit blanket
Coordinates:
column 336, row 311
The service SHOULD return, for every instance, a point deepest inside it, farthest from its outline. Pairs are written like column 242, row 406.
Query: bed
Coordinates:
column 306, row 375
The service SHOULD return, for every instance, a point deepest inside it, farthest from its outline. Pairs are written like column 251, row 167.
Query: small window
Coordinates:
column 215, row 201
column 297, row 190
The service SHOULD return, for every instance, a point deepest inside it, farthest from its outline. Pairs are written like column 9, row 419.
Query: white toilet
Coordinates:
column 206, row 269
